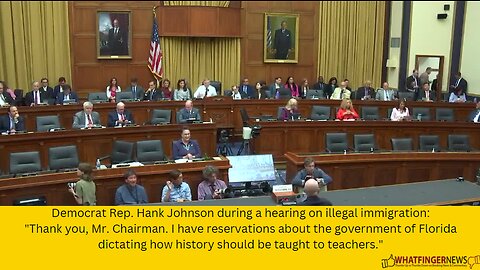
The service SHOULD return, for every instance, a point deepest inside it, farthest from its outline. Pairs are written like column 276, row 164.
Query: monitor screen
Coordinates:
column 253, row 168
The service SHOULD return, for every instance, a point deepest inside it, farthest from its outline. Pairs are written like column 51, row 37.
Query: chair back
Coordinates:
column 122, row 152
column 63, row 157
column 425, row 113
column 284, row 93
column 218, row 86
column 320, row 112
column 444, row 114
column 428, row 143
column 459, row 143
column 402, row 144
column 150, row 151
column 45, row 123
column 315, row 94
column 97, row 97
column 161, row 116
column 124, row 96
column 370, row 113
column 336, row 142
column 406, row 96
column 364, row 142
column 25, row 162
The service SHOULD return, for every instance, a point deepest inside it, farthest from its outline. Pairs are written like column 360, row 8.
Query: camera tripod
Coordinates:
column 246, row 146
column 224, row 149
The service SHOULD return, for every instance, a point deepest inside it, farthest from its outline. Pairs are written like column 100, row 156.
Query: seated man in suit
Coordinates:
column 120, row 117
column 59, row 87
column 189, row 113
column 236, row 94
column 273, row 88
column 366, row 92
column 35, row 97
column 12, row 122
column 341, row 92
column 137, row 90
column 185, row 148
column 66, row 96
column 246, row 89
column 385, row 93
column 311, row 172
column 46, row 89
column 475, row 114
column 176, row 190
column 5, row 98
column 86, row 118
column 152, row 93
column 312, row 191
column 425, row 94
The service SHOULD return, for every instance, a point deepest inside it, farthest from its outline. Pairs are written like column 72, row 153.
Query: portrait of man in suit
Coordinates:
column 114, row 35
column 281, row 38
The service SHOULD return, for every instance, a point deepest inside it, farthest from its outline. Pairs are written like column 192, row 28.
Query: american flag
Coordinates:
column 156, row 55
column 269, row 34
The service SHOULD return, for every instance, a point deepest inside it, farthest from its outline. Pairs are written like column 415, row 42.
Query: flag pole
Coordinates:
column 155, row 16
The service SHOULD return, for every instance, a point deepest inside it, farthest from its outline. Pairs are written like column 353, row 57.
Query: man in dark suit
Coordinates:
column 120, row 117
column 283, row 42
column 319, row 85
column 59, row 87
column 189, row 113
column 366, row 92
column 475, row 114
column 413, row 84
column 246, row 89
column 86, row 118
column 5, row 98
column 117, row 39
column 425, row 94
column 273, row 88
column 152, row 93
column 12, row 122
column 459, row 83
column 312, row 190
column 35, row 97
column 66, row 96
column 137, row 91
column 46, row 89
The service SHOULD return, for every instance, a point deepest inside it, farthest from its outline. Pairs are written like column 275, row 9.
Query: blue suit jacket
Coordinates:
column 113, row 118
column 250, row 90
column 184, row 115
column 60, row 97
column 5, row 124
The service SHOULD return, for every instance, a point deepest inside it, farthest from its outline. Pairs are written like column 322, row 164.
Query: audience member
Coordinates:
column 457, row 96
column 210, row 187
column 120, row 117
column 319, row 85
column 152, row 93
column 425, row 94
column 304, row 89
column 311, row 172
column 330, row 88
column 189, row 113
column 185, row 148
column 35, row 97
column 86, row 118
column 246, row 89
column 312, row 191
column 475, row 114
column 424, row 77
column 12, row 122
column 66, row 96
column 59, row 87
column 113, row 89
column 205, row 90
column 400, row 112
column 85, row 189
column 182, row 92
column 290, row 111
column 413, row 84
column 166, row 89
column 261, row 90
column 341, row 92
column 347, row 85
column 137, row 91
column 176, row 190
column 385, row 93
column 46, row 89
column 5, row 98
column 293, row 87
column 366, row 92
column 130, row 192
column 459, row 82
column 346, row 111
column 237, row 94
column 273, row 88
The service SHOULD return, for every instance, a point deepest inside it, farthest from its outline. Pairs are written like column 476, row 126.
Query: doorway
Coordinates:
column 436, row 63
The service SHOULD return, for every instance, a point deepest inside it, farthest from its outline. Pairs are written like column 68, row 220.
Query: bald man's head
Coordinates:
column 311, row 187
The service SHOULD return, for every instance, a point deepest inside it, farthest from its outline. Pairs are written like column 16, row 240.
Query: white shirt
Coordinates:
column 108, row 91
column 397, row 115
column 3, row 101
column 237, row 95
column 201, row 90
column 476, row 118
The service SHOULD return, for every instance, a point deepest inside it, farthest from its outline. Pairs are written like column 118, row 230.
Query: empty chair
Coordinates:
column 429, row 143
column 25, row 162
column 122, row 152
column 284, row 93
column 123, row 96
column 320, row 113
column 161, row 117
column 370, row 113
column 150, row 151
column 402, row 144
column 315, row 94
column 406, row 96
column 444, row 114
column 459, row 143
column 421, row 113
column 97, row 97
column 364, row 142
column 336, row 142
column 45, row 123
column 63, row 157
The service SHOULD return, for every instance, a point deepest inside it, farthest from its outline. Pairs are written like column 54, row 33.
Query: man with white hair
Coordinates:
column 205, row 90
column 86, row 118
column 312, row 190
column 120, row 117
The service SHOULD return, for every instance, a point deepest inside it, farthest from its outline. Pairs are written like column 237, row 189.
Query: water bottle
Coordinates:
column 98, row 164
column 371, row 150
column 419, row 117
column 344, row 152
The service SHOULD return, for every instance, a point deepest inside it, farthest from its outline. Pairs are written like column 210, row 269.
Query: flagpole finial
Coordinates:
column 154, row 8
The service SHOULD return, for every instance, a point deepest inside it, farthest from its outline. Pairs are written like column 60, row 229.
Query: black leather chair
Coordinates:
column 315, row 94
column 364, row 142
column 161, row 117
column 25, row 162
column 150, row 151
column 320, row 113
column 63, row 157
column 97, row 97
column 370, row 113
column 218, row 87
column 429, row 143
column 444, row 114
column 284, row 93
column 425, row 112
column 227, row 93
column 279, row 113
column 389, row 114
column 406, row 96
column 336, row 142
column 402, row 144
column 122, row 152
column 124, row 96
column 19, row 98
column 459, row 143
column 45, row 123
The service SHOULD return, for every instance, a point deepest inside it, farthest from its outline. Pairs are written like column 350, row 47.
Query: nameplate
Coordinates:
column 282, row 188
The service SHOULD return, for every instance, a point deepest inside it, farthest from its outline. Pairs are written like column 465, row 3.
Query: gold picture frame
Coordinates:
column 114, row 42
column 281, row 38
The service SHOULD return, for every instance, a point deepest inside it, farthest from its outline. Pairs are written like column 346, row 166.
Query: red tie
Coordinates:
column 123, row 117
column 90, row 120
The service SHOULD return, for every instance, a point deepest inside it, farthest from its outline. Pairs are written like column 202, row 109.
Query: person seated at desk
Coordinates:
column 66, row 96
column 290, row 111
column 237, row 94
column 366, row 92
column 182, row 92
column 84, row 190
column 346, row 111
column 5, row 98
column 86, row 118
column 425, row 94
column 341, row 92
column 475, row 115
column 209, row 188
column 137, row 90
column 130, row 192
column 292, row 86
column 186, row 148
column 400, row 112
column 261, row 90
column 189, row 113
column 152, row 93
column 35, row 97
column 166, row 89
column 176, row 190
column 312, row 191
column 113, row 89
column 385, row 93
column 205, row 90
column 311, row 172
column 12, row 122
column 457, row 96
column 120, row 117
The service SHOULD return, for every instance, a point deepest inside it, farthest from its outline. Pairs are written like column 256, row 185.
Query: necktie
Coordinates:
column 90, row 122
column 386, row 95
column 123, row 117
column 116, row 31
column 458, row 82
column 36, row 97
column 134, row 92
column 245, row 89
column 476, row 118
column 428, row 95
column 151, row 94
column 415, row 81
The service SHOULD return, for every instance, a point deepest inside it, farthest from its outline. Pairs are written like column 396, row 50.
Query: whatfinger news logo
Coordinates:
column 431, row 261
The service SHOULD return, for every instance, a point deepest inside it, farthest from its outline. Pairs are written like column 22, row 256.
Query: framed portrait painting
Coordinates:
column 114, row 35
column 281, row 38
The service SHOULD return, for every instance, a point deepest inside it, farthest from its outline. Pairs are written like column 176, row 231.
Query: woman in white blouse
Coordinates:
column 400, row 113
column 113, row 89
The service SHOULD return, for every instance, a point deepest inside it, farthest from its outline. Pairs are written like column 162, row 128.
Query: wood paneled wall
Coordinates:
column 253, row 66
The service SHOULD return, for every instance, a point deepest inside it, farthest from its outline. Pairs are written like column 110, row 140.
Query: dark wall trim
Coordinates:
column 457, row 39
column 386, row 39
column 402, row 74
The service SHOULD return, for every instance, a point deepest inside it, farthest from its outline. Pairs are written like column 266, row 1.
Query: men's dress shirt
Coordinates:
column 477, row 117
column 178, row 192
column 206, row 189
